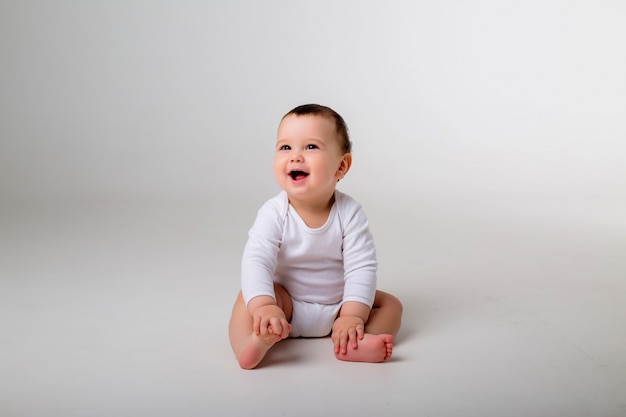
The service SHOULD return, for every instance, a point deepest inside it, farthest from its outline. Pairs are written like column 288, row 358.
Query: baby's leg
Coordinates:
column 385, row 316
column 381, row 327
column 251, row 348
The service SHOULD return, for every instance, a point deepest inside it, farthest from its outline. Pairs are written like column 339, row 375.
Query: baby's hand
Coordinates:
column 347, row 330
column 270, row 320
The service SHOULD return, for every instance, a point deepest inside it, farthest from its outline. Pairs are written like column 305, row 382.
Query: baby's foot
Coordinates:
column 373, row 348
column 254, row 350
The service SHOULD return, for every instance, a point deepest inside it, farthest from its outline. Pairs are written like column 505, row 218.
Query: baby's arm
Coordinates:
column 349, row 327
column 359, row 261
column 268, row 318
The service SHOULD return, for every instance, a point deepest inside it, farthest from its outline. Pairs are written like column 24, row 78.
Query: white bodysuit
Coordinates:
column 322, row 267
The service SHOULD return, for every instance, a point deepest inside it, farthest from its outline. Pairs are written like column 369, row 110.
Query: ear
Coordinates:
column 344, row 166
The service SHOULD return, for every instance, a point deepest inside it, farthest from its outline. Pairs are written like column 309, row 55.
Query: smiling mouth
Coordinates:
column 298, row 175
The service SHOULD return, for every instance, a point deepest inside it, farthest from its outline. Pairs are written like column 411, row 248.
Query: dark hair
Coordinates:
column 319, row 110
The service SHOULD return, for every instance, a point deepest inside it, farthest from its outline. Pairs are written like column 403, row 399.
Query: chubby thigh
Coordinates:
column 312, row 319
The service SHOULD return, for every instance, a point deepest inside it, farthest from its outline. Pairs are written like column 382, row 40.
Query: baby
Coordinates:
column 309, row 266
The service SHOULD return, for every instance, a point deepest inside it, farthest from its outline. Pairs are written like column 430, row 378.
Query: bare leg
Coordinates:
column 381, row 327
column 248, row 347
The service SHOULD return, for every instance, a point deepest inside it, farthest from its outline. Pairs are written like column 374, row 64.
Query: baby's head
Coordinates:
column 312, row 153
column 328, row 113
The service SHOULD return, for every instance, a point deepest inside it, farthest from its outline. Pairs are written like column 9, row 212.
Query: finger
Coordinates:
column 264, row 327
column 360, row 331
column 352, row 338
column 343, row 343
column 274, row 326
column 286, row 329
column 280, row 327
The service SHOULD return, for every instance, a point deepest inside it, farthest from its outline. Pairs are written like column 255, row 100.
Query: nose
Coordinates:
column 296, row 156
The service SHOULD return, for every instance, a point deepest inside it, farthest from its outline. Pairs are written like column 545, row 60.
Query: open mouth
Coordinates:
column 297, row 175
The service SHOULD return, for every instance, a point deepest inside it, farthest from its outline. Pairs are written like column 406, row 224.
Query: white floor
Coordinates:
column 120, row 309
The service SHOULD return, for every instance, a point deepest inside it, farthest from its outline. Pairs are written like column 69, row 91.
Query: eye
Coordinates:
column 311, row 146
column 285, row 148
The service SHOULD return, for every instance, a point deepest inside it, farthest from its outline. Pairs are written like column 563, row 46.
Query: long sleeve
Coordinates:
column 359, row 256
column 259, row 259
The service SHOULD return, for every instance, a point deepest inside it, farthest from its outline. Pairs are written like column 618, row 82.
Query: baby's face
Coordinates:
column 309, row 159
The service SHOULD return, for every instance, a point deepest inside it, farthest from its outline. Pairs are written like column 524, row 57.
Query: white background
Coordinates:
column 136, row 143
column 479, row 98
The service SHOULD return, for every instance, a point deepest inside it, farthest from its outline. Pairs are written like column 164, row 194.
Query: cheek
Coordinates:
column 279, row 166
